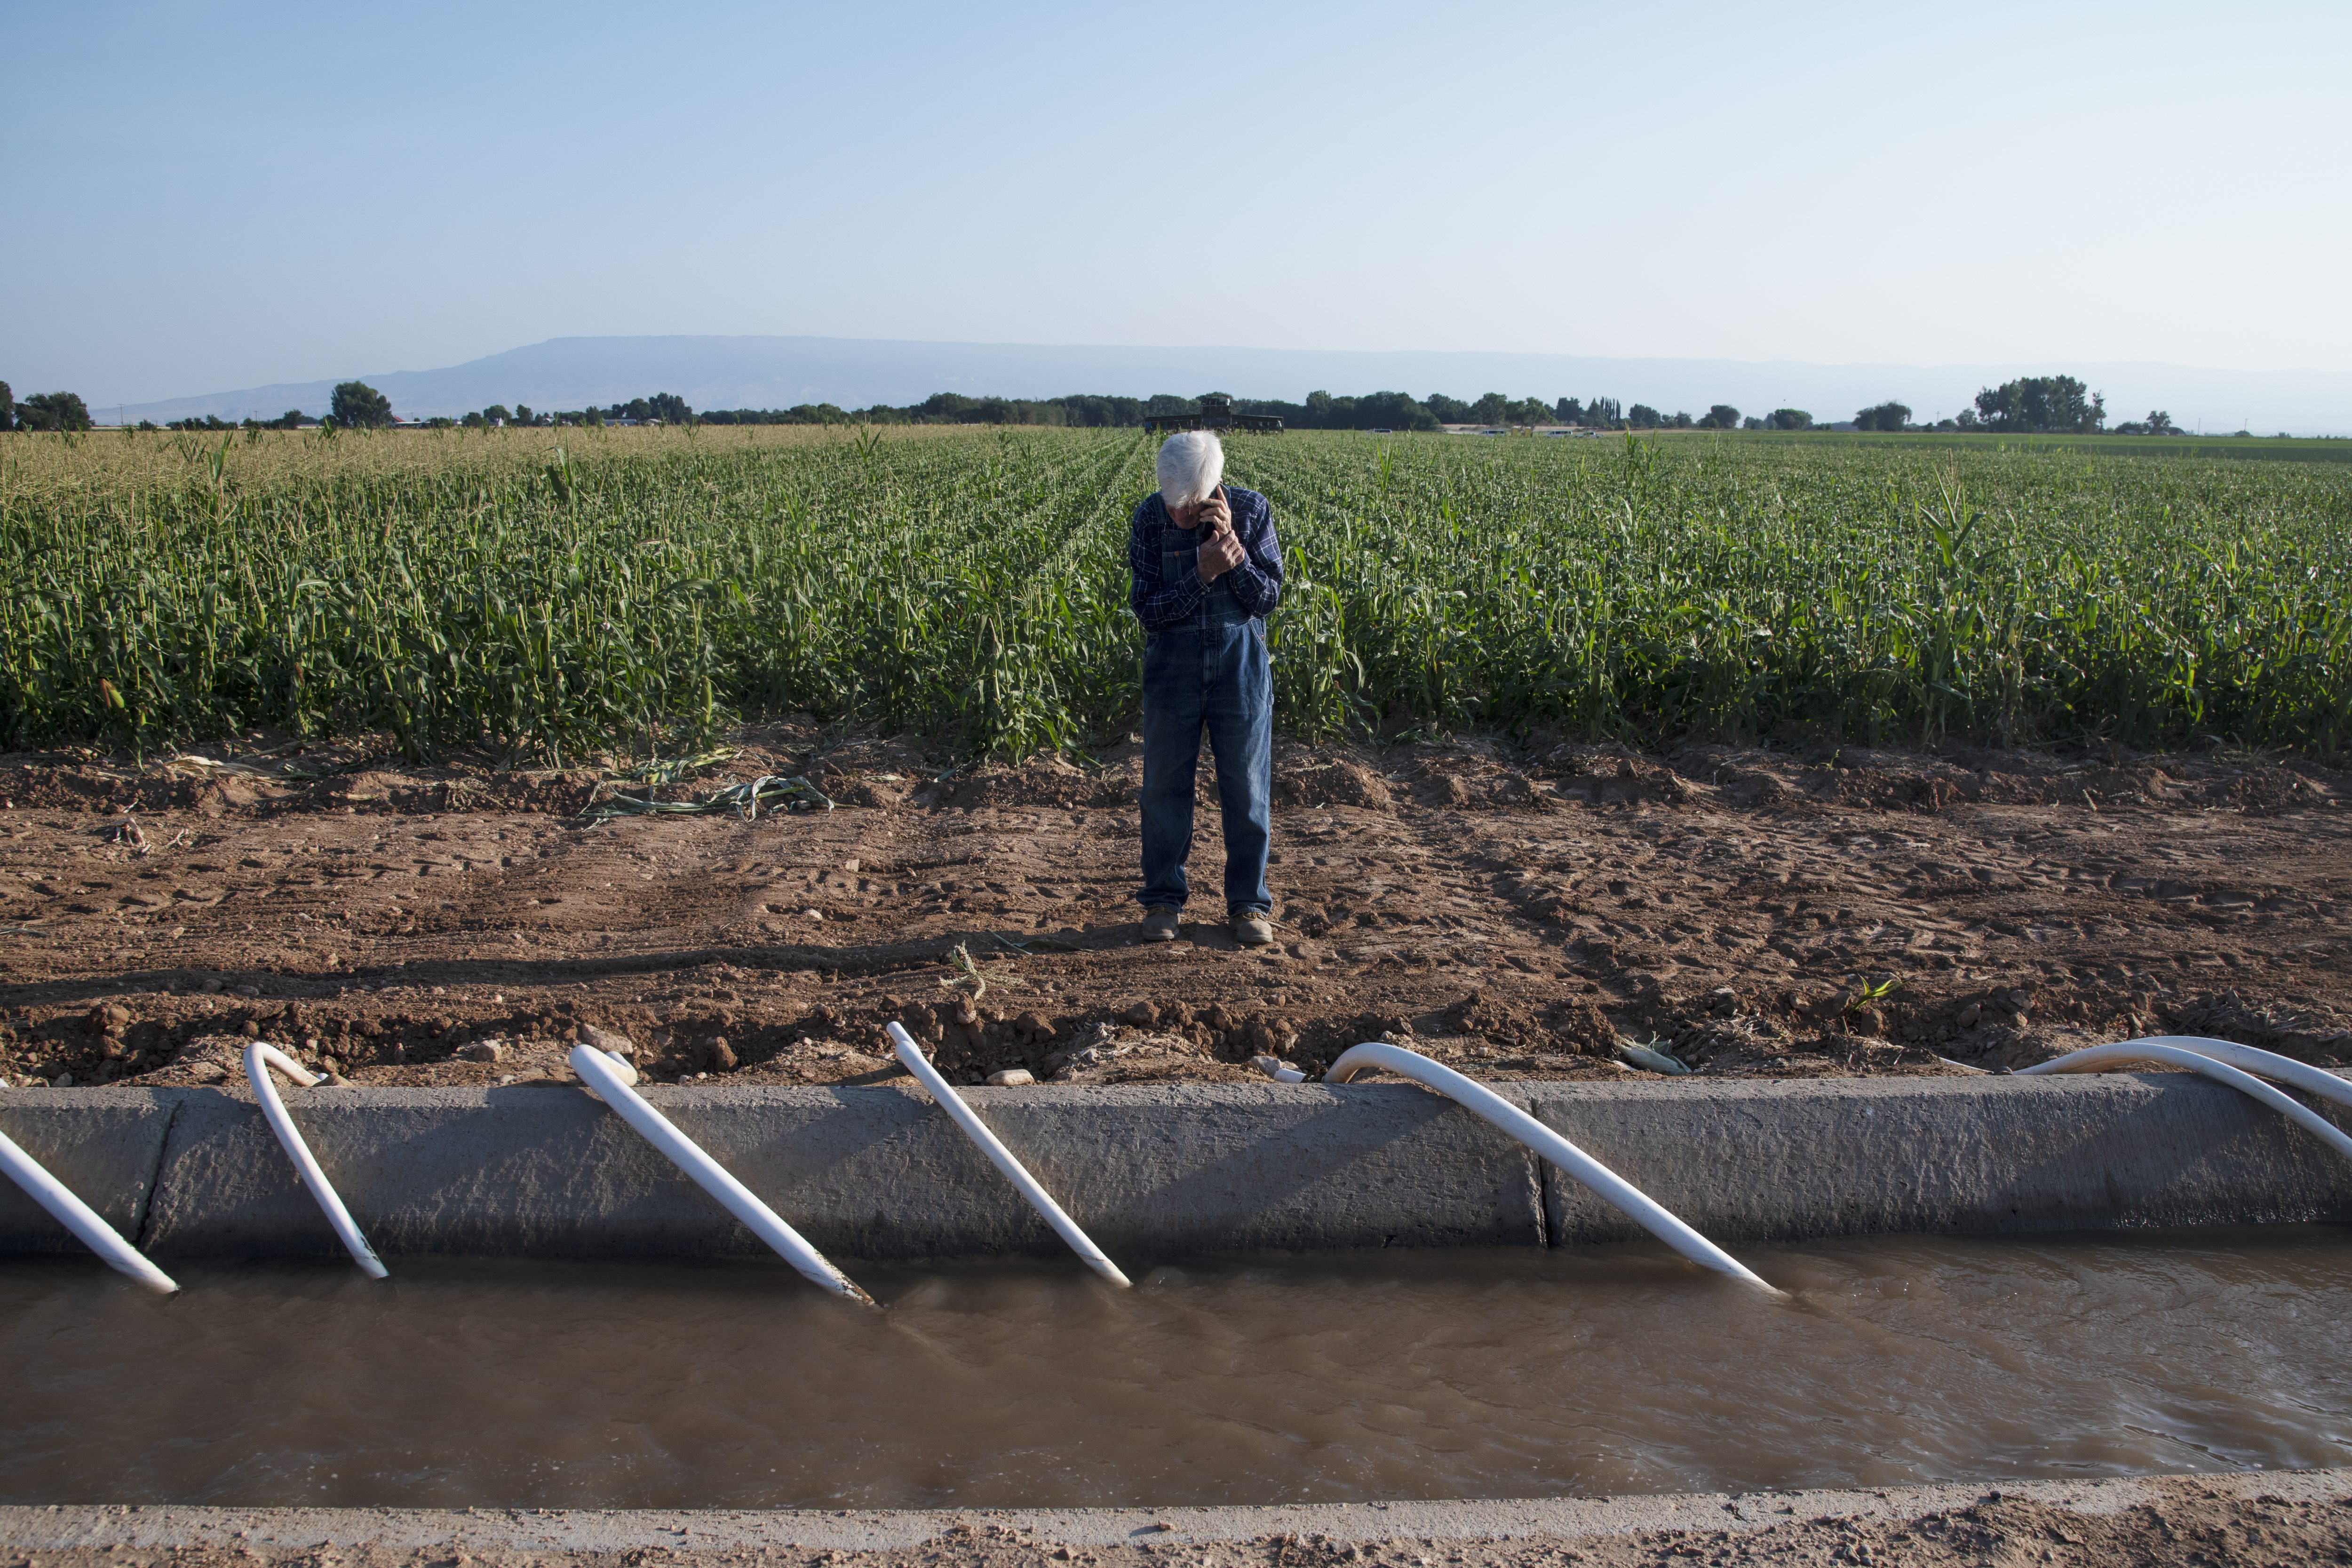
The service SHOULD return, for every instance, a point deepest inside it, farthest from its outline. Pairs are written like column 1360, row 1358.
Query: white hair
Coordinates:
column 1190, row 464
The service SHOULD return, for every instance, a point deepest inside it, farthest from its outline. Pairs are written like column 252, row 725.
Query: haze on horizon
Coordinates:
column 203, row 200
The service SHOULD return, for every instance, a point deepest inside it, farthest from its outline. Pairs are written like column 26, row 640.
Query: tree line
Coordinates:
column 2049, row 404
column 42, row 411
column 661, row 408
column 2035, row 405
column 2030, row 405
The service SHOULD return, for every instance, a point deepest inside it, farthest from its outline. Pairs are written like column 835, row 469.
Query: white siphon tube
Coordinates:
column 260, row 1058
column 79, row 1217
column 2201, row 1056
column 910, row 1055
column 604, row 1073
column 1480, row 1100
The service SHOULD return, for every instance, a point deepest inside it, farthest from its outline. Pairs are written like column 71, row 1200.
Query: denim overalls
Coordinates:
column 1210, row 669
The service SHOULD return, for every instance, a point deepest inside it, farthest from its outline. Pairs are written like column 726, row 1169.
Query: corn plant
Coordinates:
column 552, row 593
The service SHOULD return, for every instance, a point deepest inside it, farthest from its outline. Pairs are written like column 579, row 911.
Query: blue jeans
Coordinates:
column 1209, row 671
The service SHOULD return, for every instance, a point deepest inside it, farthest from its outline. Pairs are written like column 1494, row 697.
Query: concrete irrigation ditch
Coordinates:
column 881, row 1174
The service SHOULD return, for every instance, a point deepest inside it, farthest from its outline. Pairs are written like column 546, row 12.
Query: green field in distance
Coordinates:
column 546, row 592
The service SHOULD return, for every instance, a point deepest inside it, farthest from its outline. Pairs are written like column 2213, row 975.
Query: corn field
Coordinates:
column 549, row 593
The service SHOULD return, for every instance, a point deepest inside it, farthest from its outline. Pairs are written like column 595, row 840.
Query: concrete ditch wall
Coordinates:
column 1788, row 1159
column 879, row 1174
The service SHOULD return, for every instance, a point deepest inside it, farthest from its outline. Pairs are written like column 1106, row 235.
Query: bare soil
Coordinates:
column 1517, row 910
column 2190, row 1524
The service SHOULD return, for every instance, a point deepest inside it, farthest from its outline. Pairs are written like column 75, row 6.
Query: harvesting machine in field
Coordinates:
column 1216, row 413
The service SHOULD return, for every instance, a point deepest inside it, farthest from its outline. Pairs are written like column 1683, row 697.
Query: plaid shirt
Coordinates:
column 1165, row 560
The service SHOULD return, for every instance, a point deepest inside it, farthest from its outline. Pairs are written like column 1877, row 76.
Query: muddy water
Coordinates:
column 1379, row 1376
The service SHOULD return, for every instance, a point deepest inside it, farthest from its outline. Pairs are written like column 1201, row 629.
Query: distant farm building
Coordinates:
column 1216, row 413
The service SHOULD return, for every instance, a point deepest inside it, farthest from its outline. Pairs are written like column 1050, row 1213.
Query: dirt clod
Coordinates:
column 609, row 1041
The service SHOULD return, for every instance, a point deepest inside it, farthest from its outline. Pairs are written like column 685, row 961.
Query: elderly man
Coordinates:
column 1207, row 570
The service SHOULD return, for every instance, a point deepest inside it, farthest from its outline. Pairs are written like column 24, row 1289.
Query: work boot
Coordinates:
column 1159, row 923
column 1252, row 929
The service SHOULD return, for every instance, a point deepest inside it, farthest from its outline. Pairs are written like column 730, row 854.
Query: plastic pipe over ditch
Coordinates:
column 260, row 1058
column 2222, row 1061
column 2245, row 1058
column 611, row 1077
column 910, row 1057
column 1485, row 1103
column 80, row 1218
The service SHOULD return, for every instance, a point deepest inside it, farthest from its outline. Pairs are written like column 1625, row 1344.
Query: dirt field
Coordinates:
column 1516, row 911
column 2190, row 1523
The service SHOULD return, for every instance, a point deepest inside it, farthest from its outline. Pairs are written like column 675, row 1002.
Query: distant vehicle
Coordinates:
column 1216, row 413
column 1494, row 432
column 1382, row 431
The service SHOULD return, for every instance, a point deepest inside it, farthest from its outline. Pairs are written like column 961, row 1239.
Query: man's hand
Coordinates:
column 1220, row 555
column 1213, row 515
column 1221, row 550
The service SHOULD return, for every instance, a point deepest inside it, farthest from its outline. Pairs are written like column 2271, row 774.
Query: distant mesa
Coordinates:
column 786, row 372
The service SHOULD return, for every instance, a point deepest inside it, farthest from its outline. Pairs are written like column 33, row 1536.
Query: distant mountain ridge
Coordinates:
column 782, row 372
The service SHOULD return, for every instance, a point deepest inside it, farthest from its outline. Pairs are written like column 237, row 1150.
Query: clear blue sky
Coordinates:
column 206, row 197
